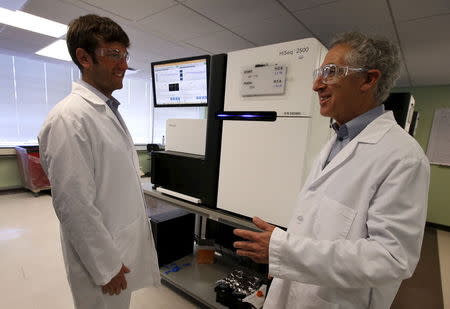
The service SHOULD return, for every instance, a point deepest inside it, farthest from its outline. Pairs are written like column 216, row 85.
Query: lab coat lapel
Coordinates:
column 324, row 153
column 317, row 167
column 126, row 136
column 100, row 104
column 372, row 134
column 340, row 158
column 122, row 128
column 120, row 124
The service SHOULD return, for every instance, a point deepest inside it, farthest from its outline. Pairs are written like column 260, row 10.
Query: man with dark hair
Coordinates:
column 88, row 31
column 89, row 157
column 357, row 230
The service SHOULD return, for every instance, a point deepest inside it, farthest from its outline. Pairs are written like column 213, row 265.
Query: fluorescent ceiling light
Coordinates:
column 32, row 23
column 56, row 50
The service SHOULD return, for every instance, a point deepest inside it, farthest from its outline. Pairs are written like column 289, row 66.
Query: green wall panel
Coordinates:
column 144, row 161
column 9, row 173
column 428, row 99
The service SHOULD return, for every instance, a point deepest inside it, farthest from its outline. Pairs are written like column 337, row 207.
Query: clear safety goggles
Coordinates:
column 113, row 53
column 330, row 73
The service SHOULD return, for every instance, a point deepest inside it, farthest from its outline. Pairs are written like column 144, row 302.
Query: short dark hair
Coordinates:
column 88, row 31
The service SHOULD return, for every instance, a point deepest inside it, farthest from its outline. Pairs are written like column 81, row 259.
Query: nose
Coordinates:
column 318, row 84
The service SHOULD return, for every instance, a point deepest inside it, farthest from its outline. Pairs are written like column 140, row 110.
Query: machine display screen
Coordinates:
column 180, row 82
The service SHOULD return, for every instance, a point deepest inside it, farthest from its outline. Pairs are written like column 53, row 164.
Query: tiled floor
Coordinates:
column 31, row 263
column 424, row 288
column 32, row 268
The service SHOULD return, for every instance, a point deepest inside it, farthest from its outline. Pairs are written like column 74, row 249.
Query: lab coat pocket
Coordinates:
column 303, row 296
column 333, row 220
column 127, row 242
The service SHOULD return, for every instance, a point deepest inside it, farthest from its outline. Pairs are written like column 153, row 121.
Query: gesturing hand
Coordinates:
column 117, row 283
column 257, row 246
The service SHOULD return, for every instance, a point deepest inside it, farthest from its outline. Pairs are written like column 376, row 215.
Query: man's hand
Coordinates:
column 257, row 246
column 117, row 283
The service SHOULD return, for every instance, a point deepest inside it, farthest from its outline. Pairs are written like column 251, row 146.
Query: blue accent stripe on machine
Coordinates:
column 248, row 116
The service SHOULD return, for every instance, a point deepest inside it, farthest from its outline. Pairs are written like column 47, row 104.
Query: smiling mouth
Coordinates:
column 119, row 74
column 323, row 99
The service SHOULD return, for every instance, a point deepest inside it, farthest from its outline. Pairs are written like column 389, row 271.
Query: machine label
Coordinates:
column 292, row 113
column 298, row 51
column 263, row 79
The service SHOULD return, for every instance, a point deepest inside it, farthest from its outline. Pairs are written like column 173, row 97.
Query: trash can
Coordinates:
column 31, row 172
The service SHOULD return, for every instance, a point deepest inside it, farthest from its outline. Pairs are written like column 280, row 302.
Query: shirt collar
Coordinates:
column 341, row 131
column 113, row 103
column 356, row 125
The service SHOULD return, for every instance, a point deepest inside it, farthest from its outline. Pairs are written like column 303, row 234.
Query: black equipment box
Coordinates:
column 399, row 104
column 173, row 233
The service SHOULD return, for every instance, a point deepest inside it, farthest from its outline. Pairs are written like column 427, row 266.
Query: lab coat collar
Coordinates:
column 94, row 99
column 87, row 94
column 372, row 134
column 375, row 130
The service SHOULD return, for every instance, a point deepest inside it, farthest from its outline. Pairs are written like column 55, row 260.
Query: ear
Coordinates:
column 83, row 58
column 372, row 77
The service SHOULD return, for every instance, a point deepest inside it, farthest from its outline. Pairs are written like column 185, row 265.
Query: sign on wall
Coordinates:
column 438, row 151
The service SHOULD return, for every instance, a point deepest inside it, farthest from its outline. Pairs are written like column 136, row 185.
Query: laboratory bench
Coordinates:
column 185, row 274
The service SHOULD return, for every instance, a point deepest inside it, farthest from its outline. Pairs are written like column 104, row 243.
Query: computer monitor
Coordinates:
column 181, row 82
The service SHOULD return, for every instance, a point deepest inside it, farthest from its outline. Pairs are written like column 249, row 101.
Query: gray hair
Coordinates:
column 373, row 53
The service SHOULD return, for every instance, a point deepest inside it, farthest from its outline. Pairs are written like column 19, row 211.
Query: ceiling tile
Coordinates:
column 426, row 52
column 12, row 4
column 54, row 10
column 404, row 10
column 220, row 42
column 141, row 61
column 233, row 13
column 403, row 80
column 371, row 17
column 132, row 10
column 23, row 41
column 273, row 30
column 296, row 5
column 143, row 42
column 179, row 23
column 329, row 19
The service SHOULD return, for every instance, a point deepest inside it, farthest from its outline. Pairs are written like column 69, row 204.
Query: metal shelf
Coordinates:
column 213, row 214
column 197, row 280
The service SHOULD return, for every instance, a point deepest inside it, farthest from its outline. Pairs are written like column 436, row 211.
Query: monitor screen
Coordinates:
column 180, row 82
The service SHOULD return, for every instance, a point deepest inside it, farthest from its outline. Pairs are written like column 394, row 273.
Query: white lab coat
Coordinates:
column 357, row 230
column 97, row 195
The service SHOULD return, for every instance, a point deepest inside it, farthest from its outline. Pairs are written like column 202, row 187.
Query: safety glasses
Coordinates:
column 331, row 73
column 113, row 54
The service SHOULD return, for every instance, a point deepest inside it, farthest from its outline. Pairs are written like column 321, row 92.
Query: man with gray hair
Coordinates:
column 357, row 230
